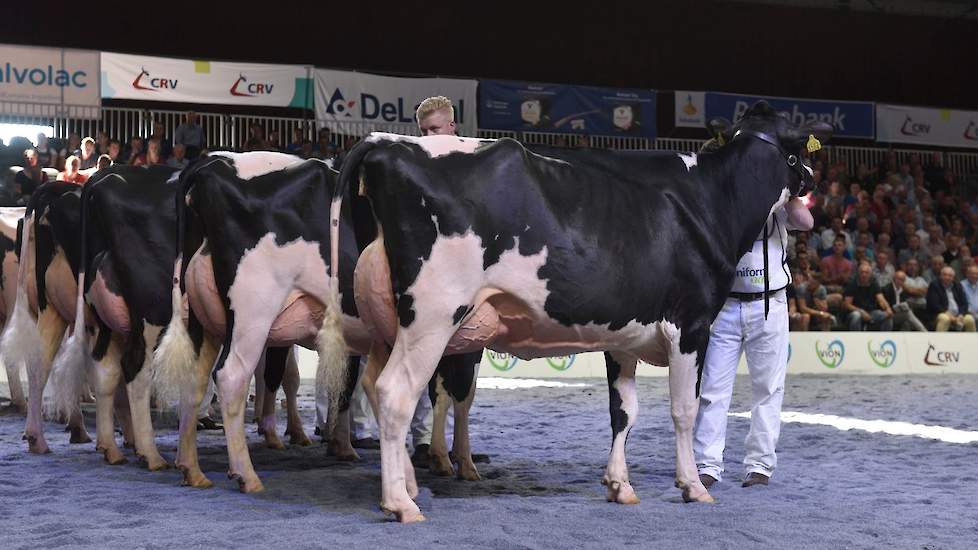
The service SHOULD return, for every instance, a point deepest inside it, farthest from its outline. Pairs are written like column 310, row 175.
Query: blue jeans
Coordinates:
column 877, row 321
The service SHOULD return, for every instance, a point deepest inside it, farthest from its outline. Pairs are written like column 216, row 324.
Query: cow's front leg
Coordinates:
column 623, row 406
column 139, row 404
column 108, row 373
column 290, row 384
column 411, row 365
column 683, row 369
column 191, row 396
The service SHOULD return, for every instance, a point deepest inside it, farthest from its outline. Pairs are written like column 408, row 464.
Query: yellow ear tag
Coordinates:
column 720, row 140
column 813, row 144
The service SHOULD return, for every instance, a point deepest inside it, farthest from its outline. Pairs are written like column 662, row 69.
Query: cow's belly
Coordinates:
column 61, row 287
column 111, row 306
column 298, row 321
column 503, row 320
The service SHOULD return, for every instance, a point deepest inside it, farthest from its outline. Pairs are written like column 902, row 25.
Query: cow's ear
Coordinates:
column 720, row 129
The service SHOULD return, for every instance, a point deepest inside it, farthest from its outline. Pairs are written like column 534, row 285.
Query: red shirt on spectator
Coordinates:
column 835, row 270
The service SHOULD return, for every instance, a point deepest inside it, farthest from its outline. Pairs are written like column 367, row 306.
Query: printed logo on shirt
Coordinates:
column 883, row 355
column 501, row 361
column 562, row 362
column 756, row 276
column 149, row 83
column 831, row 355
column 938, row 358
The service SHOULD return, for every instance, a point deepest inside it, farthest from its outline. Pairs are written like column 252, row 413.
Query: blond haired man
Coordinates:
column 436, row 116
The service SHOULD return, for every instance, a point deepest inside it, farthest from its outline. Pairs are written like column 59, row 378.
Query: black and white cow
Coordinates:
column 489, row 245
column 10, row 217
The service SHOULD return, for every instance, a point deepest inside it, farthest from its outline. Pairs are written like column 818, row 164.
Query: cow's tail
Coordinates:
column 71, row 365
column 21, row 342
column 331, row 372
column 174, row 357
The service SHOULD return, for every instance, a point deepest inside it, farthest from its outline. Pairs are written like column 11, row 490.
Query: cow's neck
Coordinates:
column 749, row 180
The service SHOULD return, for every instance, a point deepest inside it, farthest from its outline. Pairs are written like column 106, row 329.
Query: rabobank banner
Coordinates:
column 927, row 126
column 853, row 119
column 148, row 78
column 344, row 97
column 529, row 106
column 51, row 80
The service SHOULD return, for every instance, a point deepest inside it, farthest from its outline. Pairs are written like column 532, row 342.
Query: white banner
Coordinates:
column 690, row 109
column 39, row 81
column 926, row 126
column 350, row 97
column 199, row 81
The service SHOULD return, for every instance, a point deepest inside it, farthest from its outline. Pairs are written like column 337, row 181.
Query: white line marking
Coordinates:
column 940, row 433
column 493, row 383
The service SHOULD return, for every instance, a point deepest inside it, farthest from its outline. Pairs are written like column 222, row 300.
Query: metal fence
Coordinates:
column 227, row 131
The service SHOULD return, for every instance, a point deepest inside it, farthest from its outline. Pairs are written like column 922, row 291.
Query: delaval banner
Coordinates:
column 354, row 97
column 527, row 106
column 49, row 78
column 198, row 81
column 852, row 119
column 926, row 126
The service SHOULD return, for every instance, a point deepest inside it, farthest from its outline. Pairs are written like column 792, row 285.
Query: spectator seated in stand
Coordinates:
column 896, row 295
column 28, row 179
column 72, row 172
column 797, row 320
column 813, row 301
column 865, row 305
column 179, row 158
column 836, row 269
column 88, row 157
column 947, row 303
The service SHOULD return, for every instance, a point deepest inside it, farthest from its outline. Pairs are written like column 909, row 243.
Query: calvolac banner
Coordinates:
column 926, row 126
column 854, row 119
column 508, row 105
column 50, row 79
column 199, row 81
column 354, row 97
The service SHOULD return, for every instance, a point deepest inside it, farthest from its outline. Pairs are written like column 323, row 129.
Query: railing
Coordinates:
column 232, row 131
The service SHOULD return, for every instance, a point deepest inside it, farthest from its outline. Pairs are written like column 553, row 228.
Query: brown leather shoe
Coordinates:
column 755, row 478
column 707, row 480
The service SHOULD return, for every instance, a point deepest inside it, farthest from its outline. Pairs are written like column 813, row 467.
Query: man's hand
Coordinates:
column 865, row 314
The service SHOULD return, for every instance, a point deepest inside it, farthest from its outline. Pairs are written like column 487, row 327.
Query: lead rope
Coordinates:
column 767, row 279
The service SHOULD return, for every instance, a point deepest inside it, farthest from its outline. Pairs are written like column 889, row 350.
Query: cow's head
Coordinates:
column 793, row 142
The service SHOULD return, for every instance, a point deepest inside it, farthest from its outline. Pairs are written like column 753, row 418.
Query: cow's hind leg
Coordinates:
column 339, row 444
column 108, row 374
column 51, row 327
column 268, row 378
column 440, row 464
column 122, row 413
column 623, row 406
column 465, row 377
column 376, row 361
column 683, row 372
column 290, row 383
column 190, row 398
column 18, row 401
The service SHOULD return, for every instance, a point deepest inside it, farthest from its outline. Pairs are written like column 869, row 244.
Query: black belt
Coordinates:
column 753, row 296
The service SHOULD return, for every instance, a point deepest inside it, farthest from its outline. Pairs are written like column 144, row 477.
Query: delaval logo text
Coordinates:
column 831, row 355
column 147, row 82
column 43, row 76
column 935, row 358
column 835, row 117
column 883, row 355
column 373, row 108
column 501, row 361
column 243, row 88
column 561, row 363
column 911, row 128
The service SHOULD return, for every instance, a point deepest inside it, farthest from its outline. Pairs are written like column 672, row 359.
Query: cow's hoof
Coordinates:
column 468, row 472
column 440, row 465
column 411, row 514
column 79, row 435
column 36, row 444
column 299, row 439
column 114, row 457
column 692, row 493
column 247, row 485
column 620, row 492
column 273, row 442
column 193, row 477
column 156, row 464
column 342, row 453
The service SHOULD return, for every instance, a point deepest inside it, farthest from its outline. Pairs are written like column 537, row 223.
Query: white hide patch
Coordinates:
column 267, row 274
column 940, row 433
column 453, row 273
column 493, row 383
column 258, row 163
column 688, row 160
column 435, row 146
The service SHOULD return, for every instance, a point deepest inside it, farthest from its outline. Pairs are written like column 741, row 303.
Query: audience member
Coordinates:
column 47, row 157
column 897, row 296
column 159, row 134
column 190, row 135
column 835, row 269
column 933, row 272
column 72, row 172
column 948, row 304
column 88, row 157
column 970, row 287
column 179, row 158
column 813, row 300
column 154, row 153
column 883, row 269
column 136, row 155
column 28, row 179
column 864, row 303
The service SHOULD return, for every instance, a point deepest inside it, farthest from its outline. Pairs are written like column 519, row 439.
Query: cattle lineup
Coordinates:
column 150, row 284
